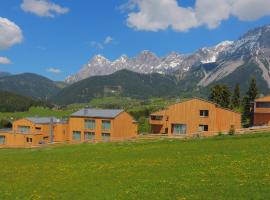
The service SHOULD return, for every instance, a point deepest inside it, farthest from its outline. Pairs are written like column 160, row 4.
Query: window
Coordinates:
column 76, row 135
column 179, row 129
column 262, row 104
column 2, row 139
column 24, row 129
column 203, row 127
column 106, row 125
column 38, row 128
column 106, row 137
column 156, row 117
column 46, row 138
column 29, row 140
column 204, row 113
column 89, row 136
column 90, row 124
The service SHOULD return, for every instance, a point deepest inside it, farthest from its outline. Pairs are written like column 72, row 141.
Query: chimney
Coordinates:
column 51, row 130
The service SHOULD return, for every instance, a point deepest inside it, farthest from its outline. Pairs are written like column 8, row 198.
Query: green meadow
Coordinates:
column 224, row 167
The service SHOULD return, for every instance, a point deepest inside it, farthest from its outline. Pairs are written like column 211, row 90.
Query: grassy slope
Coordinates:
column 220, row 168
column 36, row 111
column 133, row 85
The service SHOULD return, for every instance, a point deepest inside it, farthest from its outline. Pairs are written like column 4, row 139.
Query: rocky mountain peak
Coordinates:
column 99, row 59
column 147, row 57
column 122, row 59
column 226, row 56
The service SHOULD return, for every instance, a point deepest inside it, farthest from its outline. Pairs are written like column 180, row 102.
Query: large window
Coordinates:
column 179, row 129
column 2, row 139
column 76, row 135
column 90, row 124
column 203, row 127
column 204, row 113
column 156, row 117
column 89, row 136
column 263, row 105
column 106, row 137
column 24, row 129
column 106, row 125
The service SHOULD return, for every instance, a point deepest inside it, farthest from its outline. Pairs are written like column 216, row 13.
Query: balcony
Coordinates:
column 158, row 119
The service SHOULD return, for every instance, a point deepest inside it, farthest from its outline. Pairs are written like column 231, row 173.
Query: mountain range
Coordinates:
column 253, row 47
column 146, row 62
column 147, row 75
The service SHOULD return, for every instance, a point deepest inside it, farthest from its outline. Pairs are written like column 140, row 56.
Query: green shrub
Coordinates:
column 232, row 131
column 220, row 133
column 5, row 124
column 144, row 126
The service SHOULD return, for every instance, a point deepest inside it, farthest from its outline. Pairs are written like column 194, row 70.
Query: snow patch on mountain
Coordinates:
column 145, row 62
column 227, row 56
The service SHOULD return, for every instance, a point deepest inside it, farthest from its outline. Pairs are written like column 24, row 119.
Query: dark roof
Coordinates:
column 101, row 113
column 42, row 120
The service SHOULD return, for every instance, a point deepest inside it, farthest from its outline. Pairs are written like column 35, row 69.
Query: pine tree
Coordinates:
column 252, row 94
column 252, row 90
column 221, row 95
column 246, row 115
column 235, row 103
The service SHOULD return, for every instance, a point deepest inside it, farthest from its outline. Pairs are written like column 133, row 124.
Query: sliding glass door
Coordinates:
column 179, row 129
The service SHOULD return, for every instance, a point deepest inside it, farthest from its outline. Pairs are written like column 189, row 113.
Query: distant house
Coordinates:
column 194, row 116
column 261, row 111
column 86, row 125
column 33, row 131
column 101, row 125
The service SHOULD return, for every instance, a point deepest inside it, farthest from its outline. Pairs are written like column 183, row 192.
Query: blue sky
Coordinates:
column 69, row 35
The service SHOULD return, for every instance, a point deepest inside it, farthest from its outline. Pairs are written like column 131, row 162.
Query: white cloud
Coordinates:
column 4, row 61
column 97, row 45
column 10, row 33
column 43, row 8
column 54, row 70
column 101, row 45
column 108, row 40
column 155, row 15
column 249, row 10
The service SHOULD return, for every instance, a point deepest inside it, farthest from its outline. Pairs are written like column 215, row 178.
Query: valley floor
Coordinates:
column 224, row 167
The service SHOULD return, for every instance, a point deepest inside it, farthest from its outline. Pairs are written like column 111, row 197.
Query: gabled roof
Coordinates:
column 194, row 98
column 158, row 113
column 263, row 99
column 98, row 113
column 42, row 120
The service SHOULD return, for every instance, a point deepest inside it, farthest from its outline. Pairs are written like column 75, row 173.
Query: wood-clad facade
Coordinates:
column 30, row 132
column 261, row 111
column 88, row 127
column 194, row 116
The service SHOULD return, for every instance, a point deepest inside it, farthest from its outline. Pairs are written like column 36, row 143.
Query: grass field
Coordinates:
column 225, row 167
